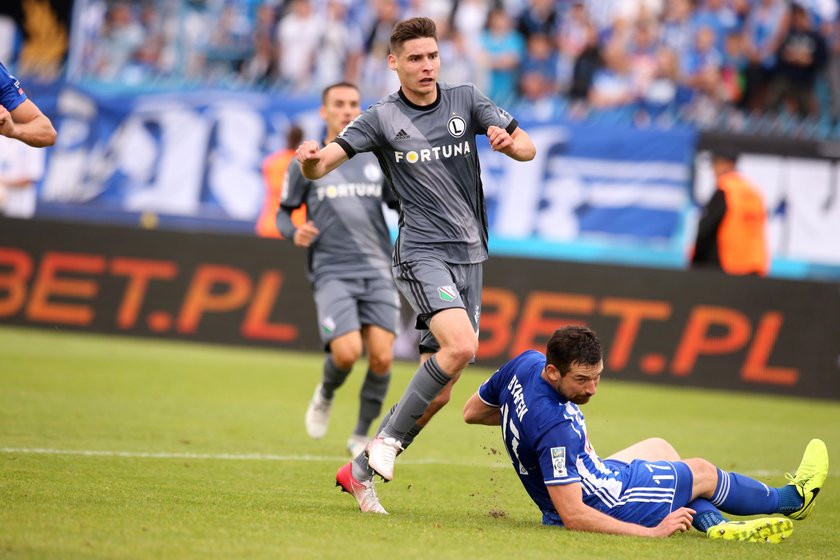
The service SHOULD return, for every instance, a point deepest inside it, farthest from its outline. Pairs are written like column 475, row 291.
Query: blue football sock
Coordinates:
column 740, row 495
column 789, row 499
column 705, row 514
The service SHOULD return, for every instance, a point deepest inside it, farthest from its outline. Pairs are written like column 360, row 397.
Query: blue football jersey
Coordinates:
column 545, row 436
column 11, row 92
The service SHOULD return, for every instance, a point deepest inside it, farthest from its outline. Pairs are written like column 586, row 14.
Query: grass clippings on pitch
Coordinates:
column 126, row 448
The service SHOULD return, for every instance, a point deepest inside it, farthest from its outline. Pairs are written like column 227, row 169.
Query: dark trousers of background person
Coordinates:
column 758, row 79
column 796, row 97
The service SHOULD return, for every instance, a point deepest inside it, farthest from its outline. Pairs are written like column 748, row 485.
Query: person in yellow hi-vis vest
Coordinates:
column 731, row 235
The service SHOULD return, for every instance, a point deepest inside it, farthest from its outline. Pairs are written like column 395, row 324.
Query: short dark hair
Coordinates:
column 727, row 152
column 573, row 344
column 331, row 87
column 414, row 28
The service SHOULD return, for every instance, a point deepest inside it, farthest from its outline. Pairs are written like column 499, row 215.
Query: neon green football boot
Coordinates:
column 771, row 530
column 809, row 477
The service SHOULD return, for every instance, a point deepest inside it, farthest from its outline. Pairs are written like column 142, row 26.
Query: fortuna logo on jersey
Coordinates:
column 428, row 154
column 344, row 190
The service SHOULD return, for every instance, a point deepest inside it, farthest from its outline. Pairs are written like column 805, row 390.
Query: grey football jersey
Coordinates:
column 430, row 158
column 346, row 207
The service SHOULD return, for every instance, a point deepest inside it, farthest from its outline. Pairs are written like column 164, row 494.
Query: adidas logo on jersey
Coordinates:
column 402, row 135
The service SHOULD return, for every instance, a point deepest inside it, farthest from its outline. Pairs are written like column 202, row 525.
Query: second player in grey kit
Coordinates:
column 349, row 267
column 424, row 138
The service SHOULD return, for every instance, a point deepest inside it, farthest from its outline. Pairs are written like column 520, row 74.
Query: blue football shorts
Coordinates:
column 650, row 491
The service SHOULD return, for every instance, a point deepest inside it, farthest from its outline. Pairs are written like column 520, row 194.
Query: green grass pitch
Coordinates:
column 130, row 448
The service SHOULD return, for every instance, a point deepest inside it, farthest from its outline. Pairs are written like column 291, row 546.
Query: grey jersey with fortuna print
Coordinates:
column 346, row 207
column 430, row 158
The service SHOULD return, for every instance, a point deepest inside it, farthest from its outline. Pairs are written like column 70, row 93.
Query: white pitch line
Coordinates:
column 226, row 456
column 285, row 458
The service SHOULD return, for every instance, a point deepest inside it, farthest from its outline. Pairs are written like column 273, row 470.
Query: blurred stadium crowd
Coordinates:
column 652, row 60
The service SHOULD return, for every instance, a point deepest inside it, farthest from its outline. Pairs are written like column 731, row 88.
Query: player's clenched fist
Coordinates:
column 7, row 126
column 678, row 520
column 499, row 138
column 305, row 234
column 308, row 152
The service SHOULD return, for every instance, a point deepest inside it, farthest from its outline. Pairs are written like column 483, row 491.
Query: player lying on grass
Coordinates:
column 644, row 490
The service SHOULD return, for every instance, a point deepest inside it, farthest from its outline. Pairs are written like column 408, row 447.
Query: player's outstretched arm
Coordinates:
column 516, row 146
column 315, row 162
column 476, row 411
column 28, row 124
column 577, row 516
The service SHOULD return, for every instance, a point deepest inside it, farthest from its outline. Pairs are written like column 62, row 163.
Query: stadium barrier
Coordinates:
column 596, row 191
column 676, row 327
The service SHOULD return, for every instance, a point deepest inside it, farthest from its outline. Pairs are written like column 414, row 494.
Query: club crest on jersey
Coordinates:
column 328, row 325
column 558, row 461
column 456, row 126
column 447, row 293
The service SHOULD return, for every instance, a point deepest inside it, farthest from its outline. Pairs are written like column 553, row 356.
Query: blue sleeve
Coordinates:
column 491, row 390
column 557, row 451
column 11, row 93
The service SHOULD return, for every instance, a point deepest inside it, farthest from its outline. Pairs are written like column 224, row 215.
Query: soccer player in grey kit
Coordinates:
column 424, row 139
column 349, row 267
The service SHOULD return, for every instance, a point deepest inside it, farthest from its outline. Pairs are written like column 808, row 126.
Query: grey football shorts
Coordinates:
column 345, row 305
column 431, row 285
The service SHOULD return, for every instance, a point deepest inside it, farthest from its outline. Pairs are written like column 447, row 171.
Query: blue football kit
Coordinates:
column 11, row 92
column 546, row 438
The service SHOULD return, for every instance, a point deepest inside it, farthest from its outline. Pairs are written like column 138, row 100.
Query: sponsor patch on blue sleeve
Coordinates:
column 558, row 461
